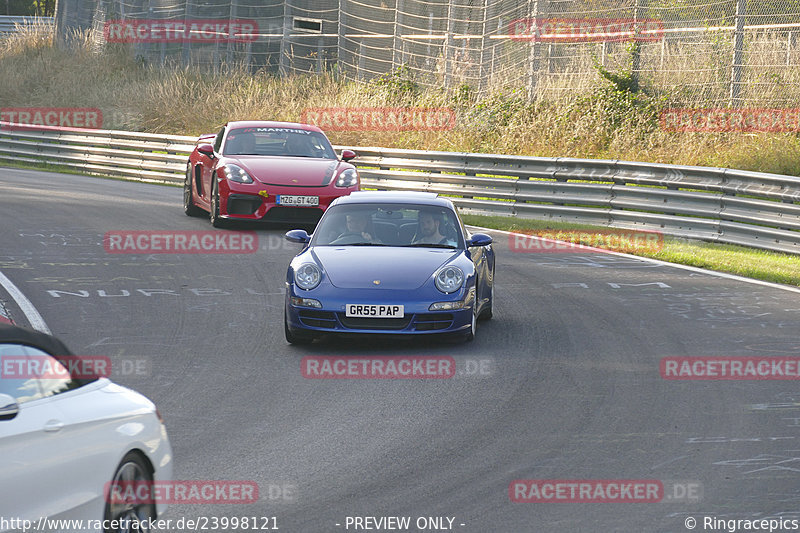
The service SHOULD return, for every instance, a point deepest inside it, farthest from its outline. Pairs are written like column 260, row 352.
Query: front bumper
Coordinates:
column 243, row 202
column 330, row 318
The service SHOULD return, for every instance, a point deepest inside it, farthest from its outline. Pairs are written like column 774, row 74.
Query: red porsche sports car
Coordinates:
column 273, row 171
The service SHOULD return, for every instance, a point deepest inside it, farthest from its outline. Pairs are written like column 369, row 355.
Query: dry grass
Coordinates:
column 596, row 123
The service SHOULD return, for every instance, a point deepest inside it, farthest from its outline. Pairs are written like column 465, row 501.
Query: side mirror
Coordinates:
column 206, row 149
column 8, row 407
column 347, row 155
column 299, row 236
column 479, row 239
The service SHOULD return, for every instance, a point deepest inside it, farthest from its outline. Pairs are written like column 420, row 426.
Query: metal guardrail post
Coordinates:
column 738, row 53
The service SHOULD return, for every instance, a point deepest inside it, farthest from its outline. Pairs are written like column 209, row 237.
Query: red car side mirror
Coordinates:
column 205, row 149
column 347, row 155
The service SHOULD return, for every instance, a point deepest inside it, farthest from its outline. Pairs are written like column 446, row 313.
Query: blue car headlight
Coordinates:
column 348, row 178
column 306, row 302
column 453, row 305
column 236, row 173
column 307, row 276
column 449, row 279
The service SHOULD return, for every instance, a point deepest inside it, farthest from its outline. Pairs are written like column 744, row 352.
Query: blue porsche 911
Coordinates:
column 388, row 263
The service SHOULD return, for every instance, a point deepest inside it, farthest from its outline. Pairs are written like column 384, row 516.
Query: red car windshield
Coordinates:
column 286, row 142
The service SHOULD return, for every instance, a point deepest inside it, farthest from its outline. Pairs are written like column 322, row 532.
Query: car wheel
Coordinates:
column 189, row 208
column 294, row 338
column 471, row 333
column 131, row 472
column 216, row 220
column 487, row 313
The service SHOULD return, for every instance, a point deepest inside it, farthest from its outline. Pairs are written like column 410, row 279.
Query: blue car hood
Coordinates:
column 357, row 267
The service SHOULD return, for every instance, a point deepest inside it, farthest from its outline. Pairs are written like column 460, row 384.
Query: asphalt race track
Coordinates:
column 563, row 383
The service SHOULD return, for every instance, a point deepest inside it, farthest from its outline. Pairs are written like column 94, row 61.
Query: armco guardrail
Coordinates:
column 712, row 204
column 9, row 24
column 133, row 155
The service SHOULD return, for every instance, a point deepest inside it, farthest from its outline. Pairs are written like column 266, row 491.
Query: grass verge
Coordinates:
column 62, row 169
column 757, row 264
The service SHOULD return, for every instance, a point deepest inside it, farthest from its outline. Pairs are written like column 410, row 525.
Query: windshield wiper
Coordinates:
column 362, row 244
column 432, row 245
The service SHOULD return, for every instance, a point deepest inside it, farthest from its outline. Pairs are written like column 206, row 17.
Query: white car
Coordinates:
column 64, row 441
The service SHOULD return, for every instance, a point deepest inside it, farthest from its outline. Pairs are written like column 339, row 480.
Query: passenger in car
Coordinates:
column 297, row 146
column 428, row 231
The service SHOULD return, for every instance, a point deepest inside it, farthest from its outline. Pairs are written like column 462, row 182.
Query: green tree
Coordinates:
column 43, row 8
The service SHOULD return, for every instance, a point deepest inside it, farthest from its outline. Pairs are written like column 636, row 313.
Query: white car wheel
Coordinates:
column 130, row 475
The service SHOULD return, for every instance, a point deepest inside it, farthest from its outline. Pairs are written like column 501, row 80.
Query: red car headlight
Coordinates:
column 347, row 178
column 236, row 173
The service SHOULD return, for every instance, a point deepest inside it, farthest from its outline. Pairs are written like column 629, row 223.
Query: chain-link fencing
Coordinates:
column 708, row 52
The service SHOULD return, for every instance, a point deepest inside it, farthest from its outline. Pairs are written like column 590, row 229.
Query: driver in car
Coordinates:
column 357, row 225
column 428, row 232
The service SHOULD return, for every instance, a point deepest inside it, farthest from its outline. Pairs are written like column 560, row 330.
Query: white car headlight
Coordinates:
column 236, row 173
column 307, row 276
column 348, row 178
column 449, row 279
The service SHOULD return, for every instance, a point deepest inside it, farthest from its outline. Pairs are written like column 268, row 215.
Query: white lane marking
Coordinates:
column 34, row 318
column 674, row 265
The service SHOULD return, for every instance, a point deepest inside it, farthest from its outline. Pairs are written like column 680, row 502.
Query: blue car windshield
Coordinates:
column 287, row 142
column 389, row 225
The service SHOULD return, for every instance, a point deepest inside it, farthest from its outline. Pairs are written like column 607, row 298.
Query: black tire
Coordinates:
column 487, row 314
column 216, row 220
column 294, row 338
column 470, row 335
column 189, row 208
column 131, row 470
